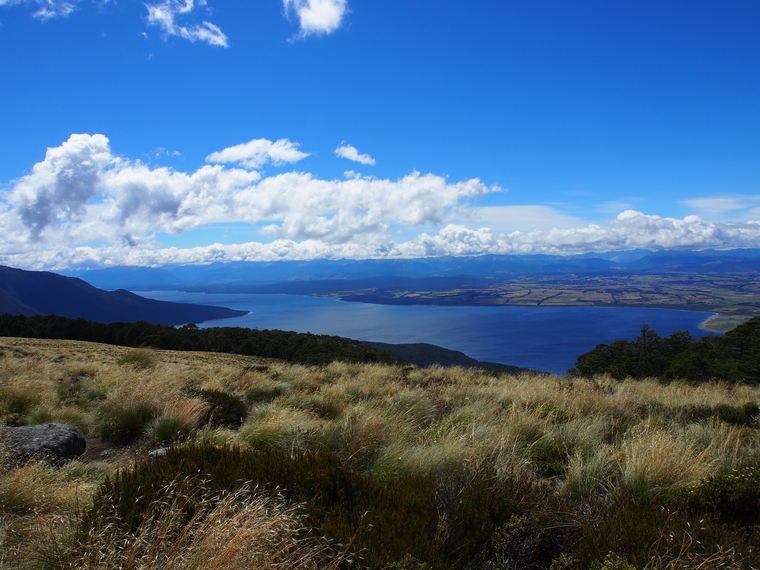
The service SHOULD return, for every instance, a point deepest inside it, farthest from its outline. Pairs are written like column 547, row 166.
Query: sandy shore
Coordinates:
column 722, row 323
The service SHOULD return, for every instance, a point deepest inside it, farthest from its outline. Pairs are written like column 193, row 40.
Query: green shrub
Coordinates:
column 734, row 497
column 441, row 522
column 550, row 458
column 745, row 415
column 524, row 541
column 613, row 562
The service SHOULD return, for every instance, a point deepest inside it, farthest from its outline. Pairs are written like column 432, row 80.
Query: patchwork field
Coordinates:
column 736, row 297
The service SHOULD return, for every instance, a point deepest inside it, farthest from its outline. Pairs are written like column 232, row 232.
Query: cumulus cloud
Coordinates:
column 46, row 8
column 351, row 153
column 630, row 230
column 258, row 152
column 165, row 16
column 82, row 193
column 59, row 187
column 83, row 205
column 317, row 16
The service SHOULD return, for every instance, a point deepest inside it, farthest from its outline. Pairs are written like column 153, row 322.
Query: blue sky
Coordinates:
column 183, row 131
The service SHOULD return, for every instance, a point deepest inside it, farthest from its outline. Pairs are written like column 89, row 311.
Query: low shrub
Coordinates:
column 440, row 522
column 550, row 458
column 613, row 562
column 744, row 415
column 734, row 497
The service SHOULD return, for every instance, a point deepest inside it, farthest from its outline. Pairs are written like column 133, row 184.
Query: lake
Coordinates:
column 548, row 339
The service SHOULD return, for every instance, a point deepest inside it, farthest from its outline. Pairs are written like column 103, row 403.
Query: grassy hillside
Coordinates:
column 370, row 466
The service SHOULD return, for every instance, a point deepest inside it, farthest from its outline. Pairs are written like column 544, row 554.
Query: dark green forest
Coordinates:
column 300, row 348
column 734, row 357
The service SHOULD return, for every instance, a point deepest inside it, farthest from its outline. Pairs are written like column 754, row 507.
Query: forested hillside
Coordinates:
column 303, row 348
column 734, row 357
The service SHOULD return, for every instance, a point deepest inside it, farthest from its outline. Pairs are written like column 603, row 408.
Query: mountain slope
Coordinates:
column 42, row 293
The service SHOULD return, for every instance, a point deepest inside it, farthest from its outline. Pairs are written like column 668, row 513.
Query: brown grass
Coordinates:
column 598, row 437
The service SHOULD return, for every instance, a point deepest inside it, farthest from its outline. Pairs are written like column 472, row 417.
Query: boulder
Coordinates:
column 54, row 442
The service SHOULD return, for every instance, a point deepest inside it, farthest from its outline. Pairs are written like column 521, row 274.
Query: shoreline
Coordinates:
column 717, row 323
column 720, row 323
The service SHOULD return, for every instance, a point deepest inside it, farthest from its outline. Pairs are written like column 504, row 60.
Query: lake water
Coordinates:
column 548, row 339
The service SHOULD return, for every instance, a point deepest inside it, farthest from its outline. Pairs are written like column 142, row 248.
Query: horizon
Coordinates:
column 182, row 132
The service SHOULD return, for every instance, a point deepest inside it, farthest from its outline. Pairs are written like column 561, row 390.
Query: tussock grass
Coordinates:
column 589, row 444
column 242, row 529
column 238, row 530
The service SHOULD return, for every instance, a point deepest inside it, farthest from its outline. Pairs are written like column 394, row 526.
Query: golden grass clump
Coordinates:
column 239, row 530
column 286, row 429
column 242, row 529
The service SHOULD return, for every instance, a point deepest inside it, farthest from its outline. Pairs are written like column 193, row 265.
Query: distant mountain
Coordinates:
column 42, row 293
column 424, row 355
column 301, row 275
column 703, row 262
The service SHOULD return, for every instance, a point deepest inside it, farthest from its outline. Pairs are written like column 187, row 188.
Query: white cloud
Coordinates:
column 84, row 206
column 165, row 15
column 724, row 207
column 59, row 187
column 81, row 193
column 317, row 16
column 516, row 218
column 357, row 209
column 47, row 8
column 161, row 151
column 351, row 153
column 630, row 230
column 258, row 152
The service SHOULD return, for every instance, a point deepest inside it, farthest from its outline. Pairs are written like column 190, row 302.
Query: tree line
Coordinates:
column 301, row 348
column 733, row 357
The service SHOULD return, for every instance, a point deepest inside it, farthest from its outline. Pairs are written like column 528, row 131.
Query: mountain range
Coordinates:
column 325, row 276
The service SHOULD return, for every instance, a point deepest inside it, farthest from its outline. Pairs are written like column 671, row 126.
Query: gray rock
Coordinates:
column 156, row 453
column 54, row 442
